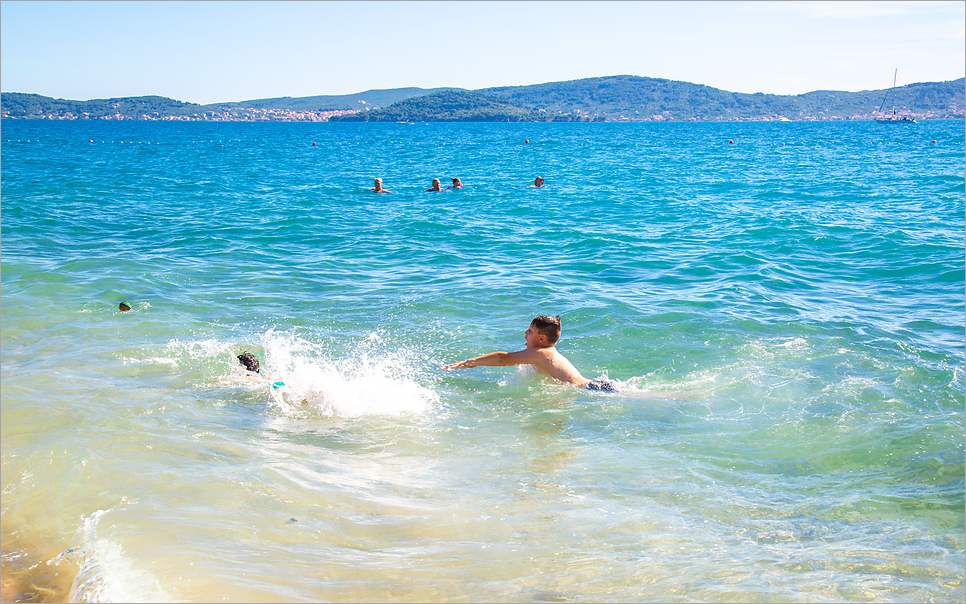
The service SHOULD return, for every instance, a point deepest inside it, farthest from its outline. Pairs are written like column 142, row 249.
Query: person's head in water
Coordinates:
column 538, row 181
column 249, row 361
column 437, row 186
column 457, row 183
column 548, row 327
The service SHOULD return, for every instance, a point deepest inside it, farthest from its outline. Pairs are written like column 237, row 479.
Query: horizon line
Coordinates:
column 470, row 90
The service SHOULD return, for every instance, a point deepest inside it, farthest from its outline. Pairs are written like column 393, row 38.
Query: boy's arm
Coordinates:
column 527, row 356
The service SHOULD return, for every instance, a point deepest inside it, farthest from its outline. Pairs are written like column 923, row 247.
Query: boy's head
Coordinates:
column 547, row 326
column 249, row 361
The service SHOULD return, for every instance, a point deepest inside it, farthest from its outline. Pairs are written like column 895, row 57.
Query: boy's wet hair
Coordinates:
column 249, row 361
column 548, row 326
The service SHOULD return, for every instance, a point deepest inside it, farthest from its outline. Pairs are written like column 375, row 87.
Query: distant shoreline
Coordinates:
column 918, row 117
column 605, row 99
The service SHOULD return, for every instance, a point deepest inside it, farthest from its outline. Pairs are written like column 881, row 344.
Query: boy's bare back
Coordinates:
column 559, row 367
column 540, row 352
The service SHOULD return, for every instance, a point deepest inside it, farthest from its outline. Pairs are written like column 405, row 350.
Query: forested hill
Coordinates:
column 612, row 98
column 358, row 100
column 313, row 108
column 650, row 99
column 452, row 106
column 20, row 105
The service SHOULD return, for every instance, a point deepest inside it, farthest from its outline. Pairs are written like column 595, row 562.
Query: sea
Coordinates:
column 780, row 304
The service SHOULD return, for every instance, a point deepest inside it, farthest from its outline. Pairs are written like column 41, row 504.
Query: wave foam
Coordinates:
column 106, row 574
column 370, row 381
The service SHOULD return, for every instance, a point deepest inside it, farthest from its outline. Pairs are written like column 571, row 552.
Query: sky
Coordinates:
column 208, row 52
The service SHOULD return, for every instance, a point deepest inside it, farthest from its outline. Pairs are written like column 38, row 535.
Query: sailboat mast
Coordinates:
column 894, row 76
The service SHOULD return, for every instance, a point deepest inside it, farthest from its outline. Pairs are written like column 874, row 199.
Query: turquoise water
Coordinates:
column 784, row 314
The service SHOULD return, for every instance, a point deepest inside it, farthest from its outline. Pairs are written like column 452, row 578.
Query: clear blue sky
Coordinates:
column 206, row 52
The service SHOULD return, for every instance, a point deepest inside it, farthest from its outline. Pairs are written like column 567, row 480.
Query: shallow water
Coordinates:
column 784, row 314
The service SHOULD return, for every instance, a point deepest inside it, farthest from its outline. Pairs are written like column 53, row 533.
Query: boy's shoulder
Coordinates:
column 549, row 353
column 535, row 354
column 550, row 350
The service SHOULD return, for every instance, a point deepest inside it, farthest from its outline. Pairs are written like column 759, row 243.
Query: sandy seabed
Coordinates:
column 33, row 581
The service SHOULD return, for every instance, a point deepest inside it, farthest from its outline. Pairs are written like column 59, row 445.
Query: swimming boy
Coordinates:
column 250, row 362
column 541, row 352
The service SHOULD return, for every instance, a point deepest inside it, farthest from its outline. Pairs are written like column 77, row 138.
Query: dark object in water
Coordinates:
column 602, row 384
column 249, row 361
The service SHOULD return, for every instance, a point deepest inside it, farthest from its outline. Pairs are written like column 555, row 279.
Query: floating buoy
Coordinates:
column 934, row 141
column 313, row 144
column 527, row 141
column 123, row 306
column 731, row 142
column 91, row 141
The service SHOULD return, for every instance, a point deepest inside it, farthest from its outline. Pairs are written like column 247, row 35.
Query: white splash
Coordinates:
column 107, row 575
column 368, row 381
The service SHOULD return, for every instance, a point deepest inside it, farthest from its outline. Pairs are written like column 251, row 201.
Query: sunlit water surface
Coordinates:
column 784, row 314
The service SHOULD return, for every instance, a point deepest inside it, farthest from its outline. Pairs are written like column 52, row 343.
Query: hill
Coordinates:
column 612, row 98
column 450, row 106
column 653, row 99
column 369, row 98
column 16, row 104
column 22, row 105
